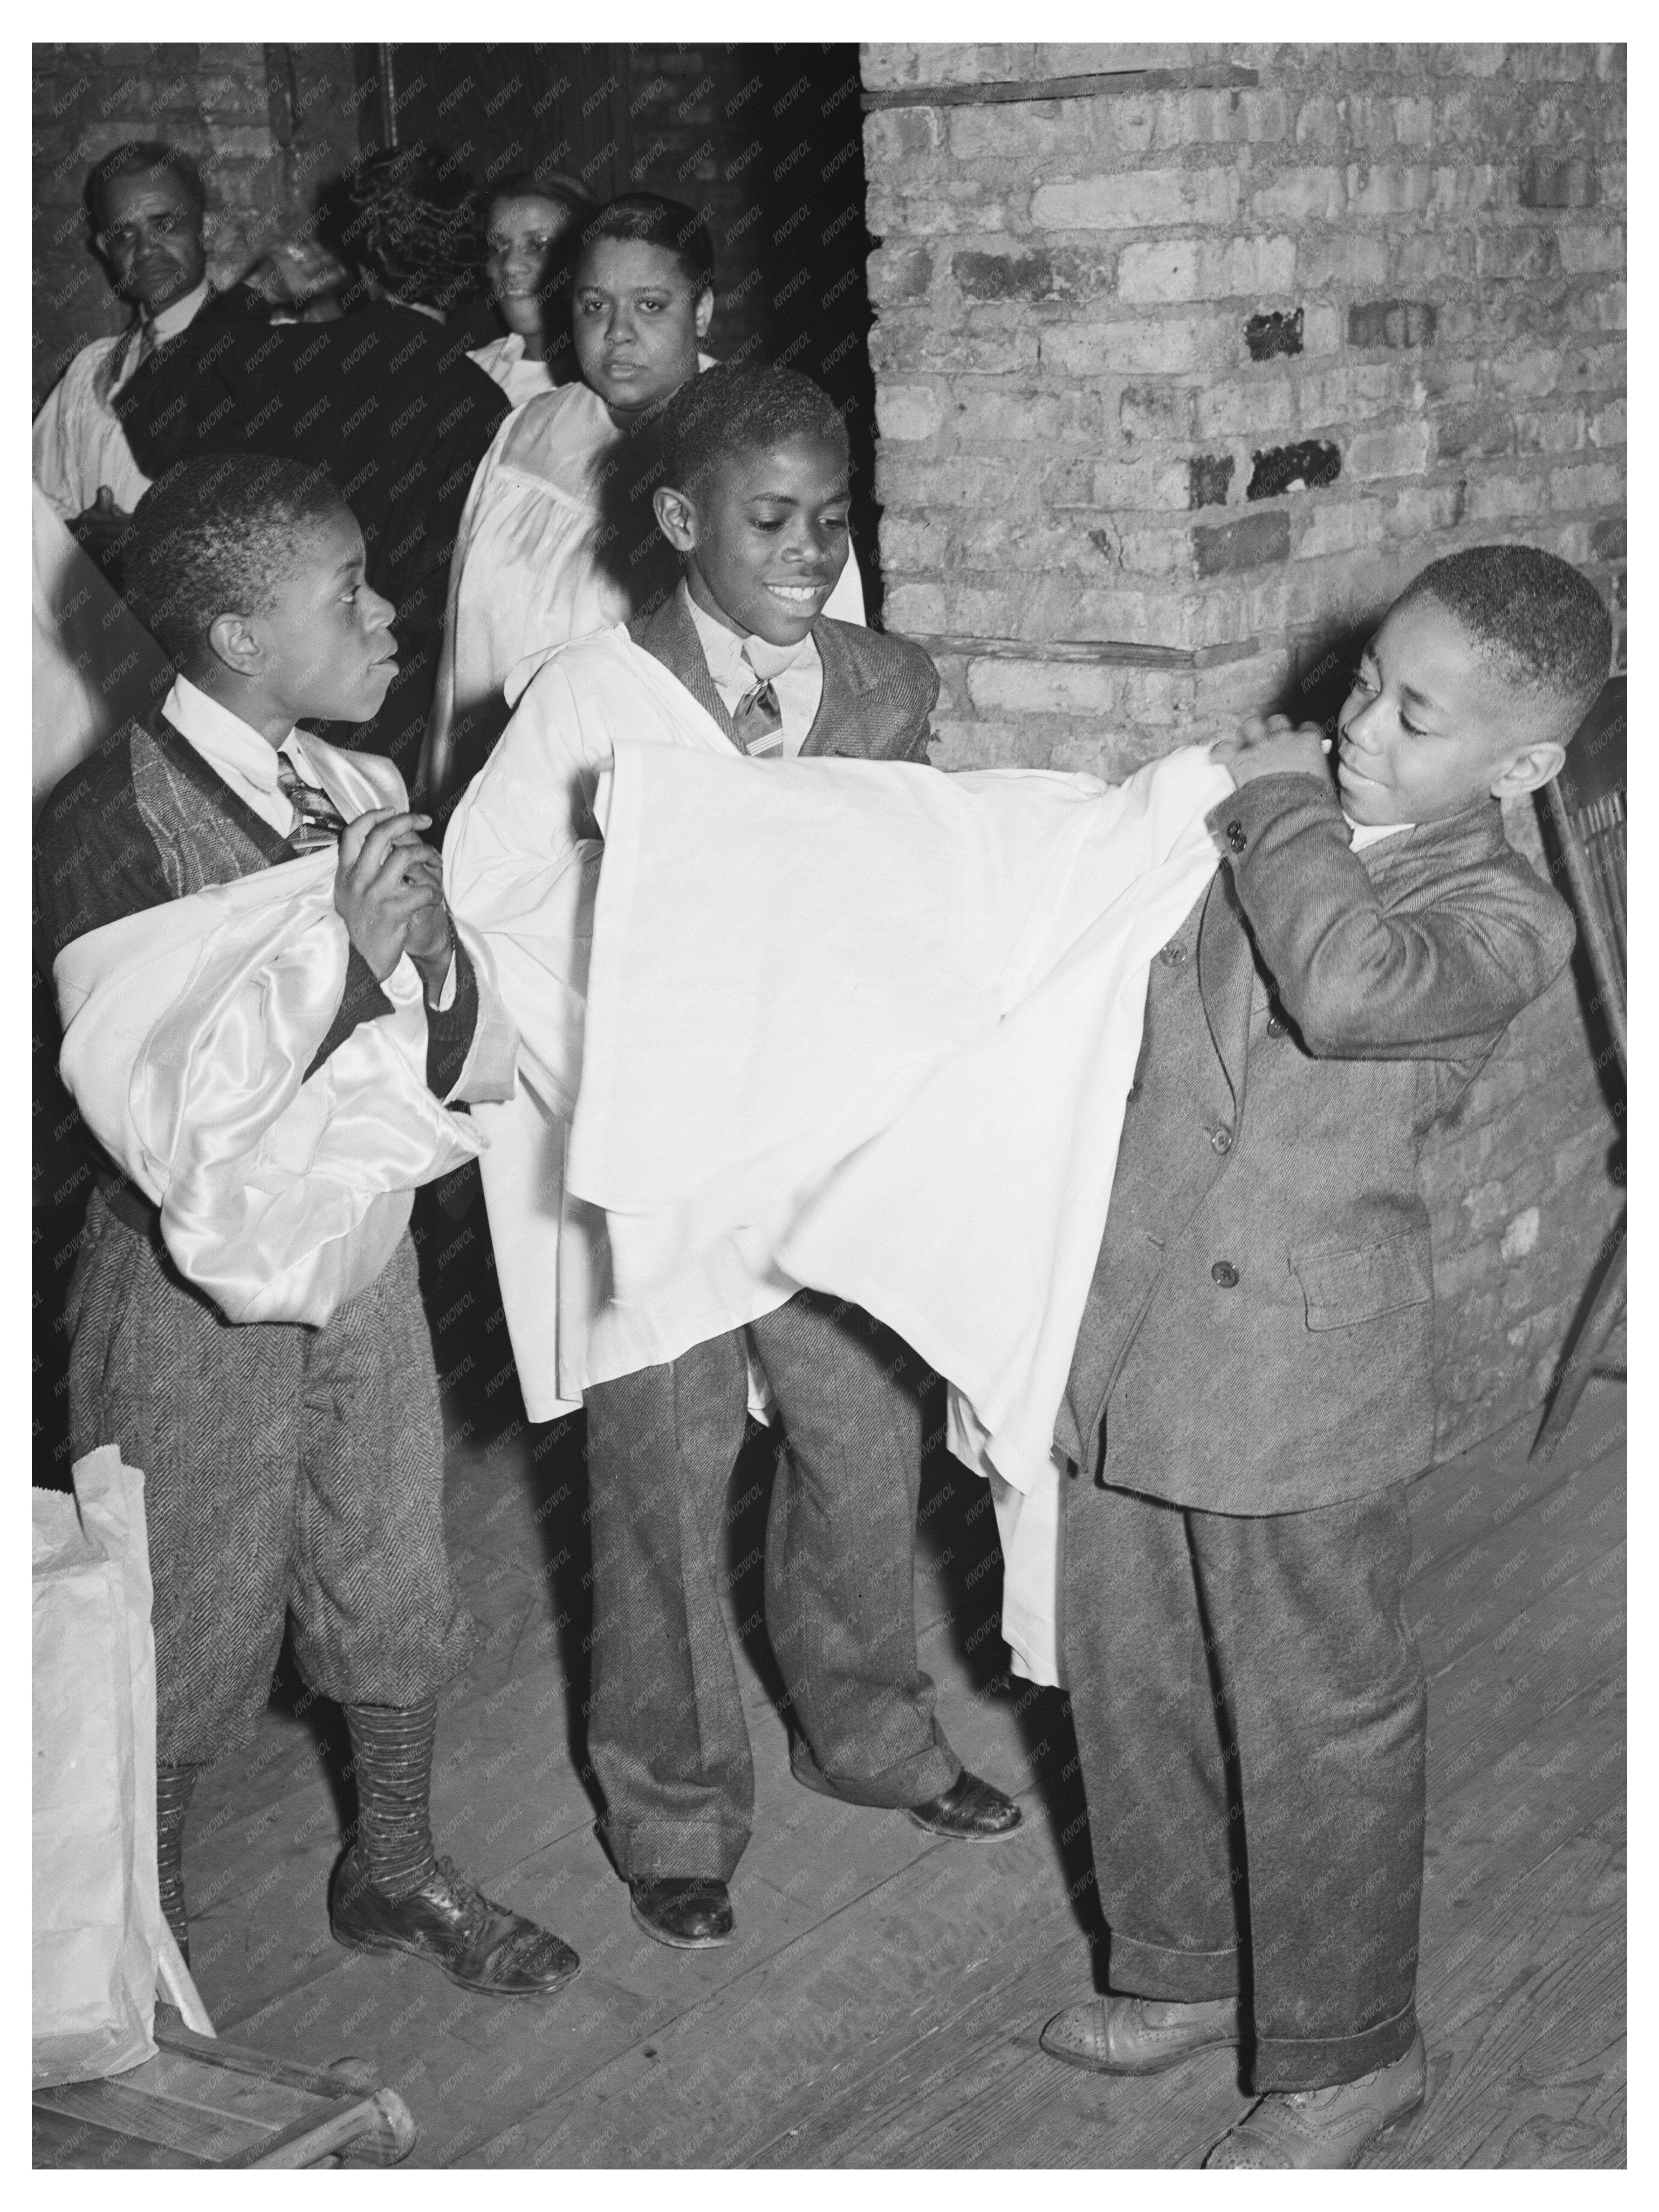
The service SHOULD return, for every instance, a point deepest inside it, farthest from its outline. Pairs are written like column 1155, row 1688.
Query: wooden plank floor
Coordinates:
column 881, row 2002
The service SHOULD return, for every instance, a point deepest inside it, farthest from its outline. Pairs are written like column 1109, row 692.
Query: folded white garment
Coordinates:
column 187, row 1032
column 522, row 862
column 871, row 1029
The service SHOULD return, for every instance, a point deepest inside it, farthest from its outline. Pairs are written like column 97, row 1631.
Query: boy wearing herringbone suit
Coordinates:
column 741, row 659
column 1253, row 1383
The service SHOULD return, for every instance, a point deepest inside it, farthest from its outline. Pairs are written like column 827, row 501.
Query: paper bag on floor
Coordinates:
column 97, row 1904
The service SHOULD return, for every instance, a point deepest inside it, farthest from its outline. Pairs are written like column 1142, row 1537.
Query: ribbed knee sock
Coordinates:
column 173, row 1788
column 392, row 1748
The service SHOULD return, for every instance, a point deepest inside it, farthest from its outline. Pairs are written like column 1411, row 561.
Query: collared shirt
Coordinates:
column 1361, row 834
column 737, row 664
column 78, row 443
column 236, row 751
column 151, row 330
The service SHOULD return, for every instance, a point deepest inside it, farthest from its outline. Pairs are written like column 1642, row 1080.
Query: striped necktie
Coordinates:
column 317, row 820
column 757, row 720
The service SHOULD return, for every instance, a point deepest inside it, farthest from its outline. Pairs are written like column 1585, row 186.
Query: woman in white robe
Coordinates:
column 559, row 538
column 530, row 226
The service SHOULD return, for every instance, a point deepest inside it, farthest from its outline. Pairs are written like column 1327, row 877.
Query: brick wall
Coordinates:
column 1179, row 378
column 264, row 124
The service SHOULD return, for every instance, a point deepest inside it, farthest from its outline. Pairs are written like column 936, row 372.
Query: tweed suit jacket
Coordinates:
column 1259, row 1334
column 878, row 690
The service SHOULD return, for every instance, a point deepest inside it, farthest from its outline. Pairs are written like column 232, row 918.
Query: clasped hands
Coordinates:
column 388, row 890
column 1270, row 746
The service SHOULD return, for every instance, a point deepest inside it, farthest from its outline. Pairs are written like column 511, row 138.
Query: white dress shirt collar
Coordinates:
column 177, row 314
column 737, row 664
column 148, row 332
column 735, row 660
column 1361, row 834
column 234, row 751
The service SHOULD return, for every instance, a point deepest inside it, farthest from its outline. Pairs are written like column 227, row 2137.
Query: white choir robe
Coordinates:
column 846, row 1021
column 94, row 664
column 521, row 862
column 526, row 573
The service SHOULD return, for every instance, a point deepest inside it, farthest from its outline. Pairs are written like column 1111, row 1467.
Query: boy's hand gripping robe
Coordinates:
column 833, row 961
column 188, row 1031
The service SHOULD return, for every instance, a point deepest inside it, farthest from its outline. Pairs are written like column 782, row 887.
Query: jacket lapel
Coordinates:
column 671, row 637
column 212, row 790
column 838, row 702
column 1396, row 865
column 1226, row 970
column 1227, row 957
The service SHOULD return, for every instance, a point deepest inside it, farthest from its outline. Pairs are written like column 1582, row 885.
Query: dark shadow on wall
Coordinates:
column 815, row 249
column 766, row 142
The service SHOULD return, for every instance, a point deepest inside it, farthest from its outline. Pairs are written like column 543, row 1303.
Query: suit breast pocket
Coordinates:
column 1343, row 1288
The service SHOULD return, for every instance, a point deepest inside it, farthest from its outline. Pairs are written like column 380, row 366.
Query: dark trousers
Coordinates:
column 1277, row 1647
column 286, row 1469
column 666, row 1731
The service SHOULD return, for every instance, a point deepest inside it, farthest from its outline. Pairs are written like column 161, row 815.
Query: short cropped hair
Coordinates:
column 139, row 157
column 742, row 408
column 653, row 220
column 410, row 216
column 219, row 534
column 1538, row 626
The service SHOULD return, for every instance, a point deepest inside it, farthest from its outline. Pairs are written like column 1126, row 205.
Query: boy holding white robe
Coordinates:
column 267, row 1022
column 755, row 501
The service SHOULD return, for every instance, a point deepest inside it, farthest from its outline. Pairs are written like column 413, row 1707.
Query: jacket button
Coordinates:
column 1173, row 955
column 1236, row 839
column 1275, row 1027
column 1221, row 1141
column 1225, row 1275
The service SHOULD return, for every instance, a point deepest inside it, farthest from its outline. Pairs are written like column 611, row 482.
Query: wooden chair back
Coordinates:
column 1588, row 810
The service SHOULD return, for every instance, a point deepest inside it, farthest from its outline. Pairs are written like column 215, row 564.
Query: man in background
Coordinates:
column 144, row 206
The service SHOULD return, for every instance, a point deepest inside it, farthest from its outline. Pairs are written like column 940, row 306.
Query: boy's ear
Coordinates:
column 677, row 518
column 234, row 642
column 703, row 315
column 1529, row 769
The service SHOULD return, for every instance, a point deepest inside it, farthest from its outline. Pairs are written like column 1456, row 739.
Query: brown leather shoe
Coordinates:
column 969, row 1810
column 1325, row 2129
column 480, row 1945
column 1139, row 2035
column 692, row 1912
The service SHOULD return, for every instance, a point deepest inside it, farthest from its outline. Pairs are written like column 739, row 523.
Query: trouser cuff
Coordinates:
column 1289, row 2063
column 656, row 1850
column 912, row 1782
column 1151, row 1970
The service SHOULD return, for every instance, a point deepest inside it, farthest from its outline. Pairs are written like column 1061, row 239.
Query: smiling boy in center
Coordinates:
column 754, row 499
column 763, row 532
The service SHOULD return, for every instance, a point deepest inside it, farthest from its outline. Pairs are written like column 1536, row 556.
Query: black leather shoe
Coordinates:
column 480, row 1945
column 969, row 1809
column 693, row 1912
